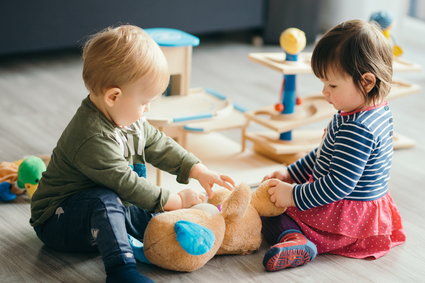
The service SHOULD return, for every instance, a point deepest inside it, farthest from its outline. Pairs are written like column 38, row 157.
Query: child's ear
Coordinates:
column 111, row 95
column 368, row 81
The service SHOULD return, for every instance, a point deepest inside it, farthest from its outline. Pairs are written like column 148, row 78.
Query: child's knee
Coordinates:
column 107, row 198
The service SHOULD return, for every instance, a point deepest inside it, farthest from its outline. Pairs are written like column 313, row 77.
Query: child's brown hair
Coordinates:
column 356, row 47
column 121, row 55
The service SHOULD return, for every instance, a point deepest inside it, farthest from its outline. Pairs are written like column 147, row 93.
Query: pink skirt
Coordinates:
column 358, row 229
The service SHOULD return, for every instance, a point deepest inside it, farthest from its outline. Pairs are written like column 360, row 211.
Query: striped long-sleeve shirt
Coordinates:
column 353, row 161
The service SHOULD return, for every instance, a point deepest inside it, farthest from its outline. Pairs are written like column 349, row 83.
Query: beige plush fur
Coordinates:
column 242, row 235
column 262, row 203
column 237, row 228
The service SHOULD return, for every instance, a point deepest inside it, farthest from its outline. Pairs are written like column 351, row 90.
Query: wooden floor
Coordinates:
column 39, row 94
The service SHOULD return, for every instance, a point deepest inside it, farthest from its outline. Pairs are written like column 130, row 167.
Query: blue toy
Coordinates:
column 5, row 192
column 385, row 20
column 293, row 41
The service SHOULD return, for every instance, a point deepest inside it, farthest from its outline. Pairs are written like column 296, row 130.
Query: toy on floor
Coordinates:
column 182, row 110
column 285, row 143
column 20, row 176
column 186, row 239
column 292, row 41
column 385, row 21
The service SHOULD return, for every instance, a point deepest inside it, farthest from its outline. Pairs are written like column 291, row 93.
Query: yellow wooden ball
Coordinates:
column 292, row 40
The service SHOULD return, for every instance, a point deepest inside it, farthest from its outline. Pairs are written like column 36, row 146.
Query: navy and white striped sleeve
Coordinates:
column 301, row 169
column 353, row 146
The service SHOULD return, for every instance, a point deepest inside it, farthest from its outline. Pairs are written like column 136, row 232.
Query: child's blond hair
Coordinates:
column 356, row 47
column 121, row 55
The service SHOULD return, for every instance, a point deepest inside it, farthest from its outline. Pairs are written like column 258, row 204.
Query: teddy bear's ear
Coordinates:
column 237, row 203
column 219, row 197
column 195, row 239
column 262, row 203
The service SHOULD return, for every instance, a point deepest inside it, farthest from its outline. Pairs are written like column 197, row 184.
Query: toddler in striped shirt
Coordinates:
column 337, row 195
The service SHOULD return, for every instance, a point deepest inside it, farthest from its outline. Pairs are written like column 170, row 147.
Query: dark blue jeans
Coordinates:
column 94, row 220
column 274, row 226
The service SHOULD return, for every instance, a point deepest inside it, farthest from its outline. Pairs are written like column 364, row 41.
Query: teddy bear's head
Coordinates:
column 243, row 224
column 243, row 229
column 185, row 239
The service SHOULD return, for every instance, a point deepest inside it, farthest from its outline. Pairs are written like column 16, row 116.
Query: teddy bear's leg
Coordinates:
column 138, row 249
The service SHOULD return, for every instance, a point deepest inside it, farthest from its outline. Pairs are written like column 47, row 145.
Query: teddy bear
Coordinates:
column 230, row 223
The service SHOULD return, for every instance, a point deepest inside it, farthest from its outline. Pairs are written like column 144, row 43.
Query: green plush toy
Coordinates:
column 29, row 174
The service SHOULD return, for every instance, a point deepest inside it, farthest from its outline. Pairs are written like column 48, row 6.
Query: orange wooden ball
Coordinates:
column 279, row 107
column 298, row 101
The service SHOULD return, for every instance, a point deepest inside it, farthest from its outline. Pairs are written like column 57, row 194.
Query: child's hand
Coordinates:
column 281, row 193
column 183, row 199
column 282, row 175
column 208, row 178
column 190, row 198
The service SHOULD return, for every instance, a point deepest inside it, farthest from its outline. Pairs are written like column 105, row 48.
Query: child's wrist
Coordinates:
column 182, row 204
column 289, row 177
column 194, row 171
column 184, row 199
column 292, row 204
column 175, row 201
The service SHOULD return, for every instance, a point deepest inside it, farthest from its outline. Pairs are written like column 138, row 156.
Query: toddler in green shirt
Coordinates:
column 99, row 161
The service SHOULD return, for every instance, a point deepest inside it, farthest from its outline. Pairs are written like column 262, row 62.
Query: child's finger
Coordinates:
column 273, row 182
column 266, row 178
column 225, row 185
column 210, row 192
column 228, row 179
column 202, row 197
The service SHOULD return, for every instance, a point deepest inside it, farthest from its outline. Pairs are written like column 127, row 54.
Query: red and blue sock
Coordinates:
column 293, row 249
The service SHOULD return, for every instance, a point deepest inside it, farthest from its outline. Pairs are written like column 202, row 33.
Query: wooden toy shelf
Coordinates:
column 200, row 111
column 276, row 61
column 198, row 104
column 181, row 110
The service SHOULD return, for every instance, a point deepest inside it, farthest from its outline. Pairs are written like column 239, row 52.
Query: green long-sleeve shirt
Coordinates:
column 92, row 152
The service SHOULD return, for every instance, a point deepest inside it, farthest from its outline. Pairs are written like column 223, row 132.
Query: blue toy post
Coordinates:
column 288, row 96
column 293, row 41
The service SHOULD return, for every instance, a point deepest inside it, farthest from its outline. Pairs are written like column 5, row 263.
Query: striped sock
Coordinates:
column 293, row 249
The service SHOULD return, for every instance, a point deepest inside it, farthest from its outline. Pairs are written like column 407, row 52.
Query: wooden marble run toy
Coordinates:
column 282, row 143
column 182, row 110
column 385, row 21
